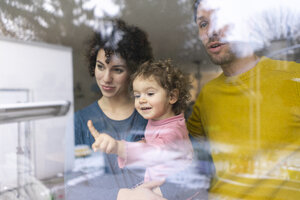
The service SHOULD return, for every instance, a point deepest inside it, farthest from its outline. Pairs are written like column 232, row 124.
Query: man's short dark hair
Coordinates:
column 195, row 7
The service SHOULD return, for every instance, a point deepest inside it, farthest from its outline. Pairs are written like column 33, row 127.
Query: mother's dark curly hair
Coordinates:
column 168, row 77
column 115, row 36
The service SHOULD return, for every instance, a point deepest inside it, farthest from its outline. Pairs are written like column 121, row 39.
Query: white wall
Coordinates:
column 46, row 71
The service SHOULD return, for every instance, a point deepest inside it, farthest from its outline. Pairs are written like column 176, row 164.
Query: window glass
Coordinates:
column 243, row 117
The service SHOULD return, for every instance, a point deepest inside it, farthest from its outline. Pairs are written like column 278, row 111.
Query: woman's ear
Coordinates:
column 174, row 96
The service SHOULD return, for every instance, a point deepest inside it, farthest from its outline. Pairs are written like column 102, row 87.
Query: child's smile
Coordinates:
column 145, row 108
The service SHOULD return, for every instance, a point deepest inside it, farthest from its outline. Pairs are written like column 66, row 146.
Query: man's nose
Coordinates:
column 218, row 33
column 213, row 35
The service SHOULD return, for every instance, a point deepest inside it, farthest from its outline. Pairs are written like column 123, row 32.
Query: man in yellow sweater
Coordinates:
column 250, row 115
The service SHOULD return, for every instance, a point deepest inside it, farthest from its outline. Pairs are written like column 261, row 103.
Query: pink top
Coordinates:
column 167, row 148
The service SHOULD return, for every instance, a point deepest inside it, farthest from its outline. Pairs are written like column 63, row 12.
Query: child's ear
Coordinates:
column 174, row 96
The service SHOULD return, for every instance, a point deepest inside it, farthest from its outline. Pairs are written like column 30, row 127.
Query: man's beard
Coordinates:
column 236, row 50
column 224, row 59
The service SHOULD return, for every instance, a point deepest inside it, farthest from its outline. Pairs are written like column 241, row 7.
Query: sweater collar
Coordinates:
column 166, row 121
column 244, row 76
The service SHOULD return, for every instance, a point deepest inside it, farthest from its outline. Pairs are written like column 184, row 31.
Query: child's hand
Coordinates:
column 103, row 142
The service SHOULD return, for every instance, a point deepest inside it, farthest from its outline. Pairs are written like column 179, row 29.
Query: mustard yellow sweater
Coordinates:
column 252, row 122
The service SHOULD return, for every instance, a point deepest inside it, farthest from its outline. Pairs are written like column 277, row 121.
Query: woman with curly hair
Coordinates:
column 161, row 94
column 115, row 52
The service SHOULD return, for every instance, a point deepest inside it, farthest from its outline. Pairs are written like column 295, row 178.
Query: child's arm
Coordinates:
column 106, row 143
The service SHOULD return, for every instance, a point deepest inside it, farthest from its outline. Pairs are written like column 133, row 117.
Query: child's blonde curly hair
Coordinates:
column 168, row 77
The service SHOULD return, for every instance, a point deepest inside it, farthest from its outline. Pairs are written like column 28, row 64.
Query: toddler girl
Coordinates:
column 161, row 93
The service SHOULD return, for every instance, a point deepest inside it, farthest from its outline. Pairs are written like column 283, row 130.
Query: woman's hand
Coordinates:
column 142, row 192
column 105, row 142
